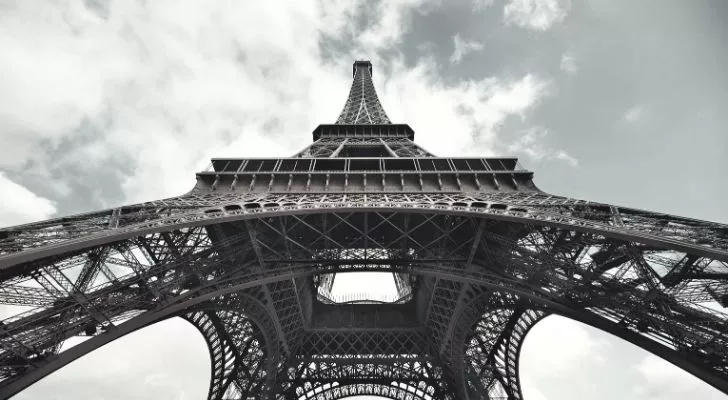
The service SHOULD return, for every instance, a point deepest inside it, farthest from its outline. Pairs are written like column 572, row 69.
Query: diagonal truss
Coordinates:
column 362, row 106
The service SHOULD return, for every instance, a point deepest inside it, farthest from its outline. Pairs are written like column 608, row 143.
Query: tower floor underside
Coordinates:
column 480, row 270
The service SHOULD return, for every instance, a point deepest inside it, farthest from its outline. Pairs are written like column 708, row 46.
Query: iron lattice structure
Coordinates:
column 479, row 255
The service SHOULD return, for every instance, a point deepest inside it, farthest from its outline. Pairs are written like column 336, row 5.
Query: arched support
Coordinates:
column 237, row 354
column 492, row 353
column 221, row 349
column 486, row 341
column 204, row 296
column 508, row 355
column 236, row 327
column 32, row 242
column 243, row 346
column 399, row 380
column 392, row 390
column 596, row 278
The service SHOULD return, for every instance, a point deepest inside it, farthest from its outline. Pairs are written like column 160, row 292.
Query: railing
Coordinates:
column 364, row 297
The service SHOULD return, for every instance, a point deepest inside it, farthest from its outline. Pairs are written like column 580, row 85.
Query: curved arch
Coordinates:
column 234, row 328
column 197, row 313
column 218, row 214
column 508, row 339
column 689, row 364
column 492, row 353
column 392, row 391
column 142, row 364
column 204, row 294
column 598, row 354
column 218, row 350
column 686, row 361
column 507, row 373
column 497, row 364
column 228, row 355
column 411, row 379
column 518, row 284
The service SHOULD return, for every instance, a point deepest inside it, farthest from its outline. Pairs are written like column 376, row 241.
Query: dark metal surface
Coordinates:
column 252, row 268
column 362, row 106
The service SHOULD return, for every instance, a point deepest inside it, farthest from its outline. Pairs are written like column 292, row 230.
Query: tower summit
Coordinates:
column 362, row 106
column 478, row 255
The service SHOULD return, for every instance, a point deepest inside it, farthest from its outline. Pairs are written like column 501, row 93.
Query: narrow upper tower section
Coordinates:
column 362, row 107
column 363, row 114
column 363, row 152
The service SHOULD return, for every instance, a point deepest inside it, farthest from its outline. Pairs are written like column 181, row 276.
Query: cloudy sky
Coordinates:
column 104, row 103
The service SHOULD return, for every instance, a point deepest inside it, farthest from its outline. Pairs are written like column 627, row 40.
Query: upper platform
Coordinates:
column 366, row 175
column 363, row 152
column 363, row 64
column 369, row 130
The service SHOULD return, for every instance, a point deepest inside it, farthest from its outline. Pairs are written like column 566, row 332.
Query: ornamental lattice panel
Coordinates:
column 477, row 252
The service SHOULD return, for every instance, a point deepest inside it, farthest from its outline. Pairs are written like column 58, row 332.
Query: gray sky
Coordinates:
column 112, row 102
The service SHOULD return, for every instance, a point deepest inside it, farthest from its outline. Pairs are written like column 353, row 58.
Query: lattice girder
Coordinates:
column 26, row 243
column 492, row 354
column 243, row 345
column 236, row 355
column 402, row 380
column 362, row 106
column 598, row 278
column 334, row 146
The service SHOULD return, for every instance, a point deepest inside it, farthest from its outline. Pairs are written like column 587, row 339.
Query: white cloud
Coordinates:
column 385, row 29
column 557, row 344
column 532, row 393
column 167, row 360
column 562, row 155
column 536, row 14
column 565, row 359
column 18, row 205
column 633, row 114
column 530, row 143
column 457, row 119
column 568, row 63
column 168, row 86
column 482, row 4
column 463, row 47
column 664, row 381
column 513, row 97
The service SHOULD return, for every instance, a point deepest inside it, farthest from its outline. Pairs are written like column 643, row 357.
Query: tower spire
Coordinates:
column 362, row 106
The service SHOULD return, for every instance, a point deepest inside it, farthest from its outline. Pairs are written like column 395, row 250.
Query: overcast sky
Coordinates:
column 104, row 103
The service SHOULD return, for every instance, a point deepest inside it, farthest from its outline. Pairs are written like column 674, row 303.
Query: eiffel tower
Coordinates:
column 478, row 255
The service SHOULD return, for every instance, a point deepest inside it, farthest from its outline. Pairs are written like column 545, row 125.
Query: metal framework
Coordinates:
column 479, row 255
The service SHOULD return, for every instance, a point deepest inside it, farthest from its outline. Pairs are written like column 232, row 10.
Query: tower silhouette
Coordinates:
column 478, row 255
